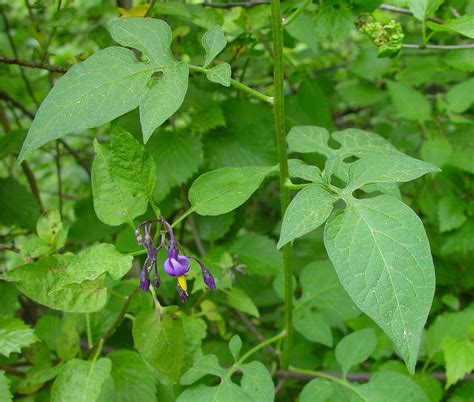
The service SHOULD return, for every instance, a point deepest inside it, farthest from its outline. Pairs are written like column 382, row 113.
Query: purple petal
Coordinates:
column 176, row 267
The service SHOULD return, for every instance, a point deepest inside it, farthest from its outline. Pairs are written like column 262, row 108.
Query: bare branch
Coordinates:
column 439, row 47
column 32, row 64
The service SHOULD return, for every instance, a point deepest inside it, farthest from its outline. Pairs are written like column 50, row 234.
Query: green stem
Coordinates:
column 238, row 85
column 296, row 13
column 89, row 332
column 255, row 349
column 329, row 377
column 279, row 118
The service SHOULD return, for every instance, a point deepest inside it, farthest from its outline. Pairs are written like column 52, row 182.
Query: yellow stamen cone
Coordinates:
column 182, row 283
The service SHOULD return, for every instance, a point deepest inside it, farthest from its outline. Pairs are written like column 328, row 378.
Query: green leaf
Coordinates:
column 36, row 281
column 18, row 206
column 355, row 348
column 241, row 301
column 150, row 36
column 80, row 380
column 213, row 42
column 301, row 170
column 178, row 157
column 422, row 9
column 235, row 345
column 391, row 387
column 381, row 253
column 451, row 213
column 131, row 167
column 333, row 22
column 162, row 97
column 14, row 335
column 220, row 74
column 5, row 393
column 50, row 229
column 92, row 263
column 258, row 253
column 257, row 382
column 307, row 211
column 459, row 357
column 308, row 139
column 213, row 228
column 246, row 140
column 8, row 298
column 313, row 326
column 107, row 85
column 68, row 339
column 437, row 151
column 461, row 96
column 159, row 339
column 223, row 190
column 204, row 365
column 409, row 103
column 133, row 378
column 463, row 25
column 114, row 201
column 317, row 390
column 463, row 61
column 386, row 169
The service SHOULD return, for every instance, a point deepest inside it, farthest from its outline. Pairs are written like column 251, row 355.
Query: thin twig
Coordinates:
column 245, row 4
column 115, row 324
column 58, row 174
column 32, row 64
column 405, row 11
column 439, row 47
column 255, row 332
column 197, row 238
column 15, row 53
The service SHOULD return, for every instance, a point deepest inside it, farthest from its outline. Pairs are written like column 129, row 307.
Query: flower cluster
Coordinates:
column 176, row 264
column 387, row 38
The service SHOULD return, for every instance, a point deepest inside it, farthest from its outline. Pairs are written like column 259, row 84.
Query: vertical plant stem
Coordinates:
column 279, row 117
column 89, row 331
column 60, row 183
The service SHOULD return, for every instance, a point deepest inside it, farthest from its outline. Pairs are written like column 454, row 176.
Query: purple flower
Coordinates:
column 175, row 265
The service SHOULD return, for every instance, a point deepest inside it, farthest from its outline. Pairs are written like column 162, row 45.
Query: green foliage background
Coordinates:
column 421, row 101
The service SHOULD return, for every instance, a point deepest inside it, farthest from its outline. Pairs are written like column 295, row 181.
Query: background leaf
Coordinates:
column 14, row 335
column 213, row 42
column 355, row 348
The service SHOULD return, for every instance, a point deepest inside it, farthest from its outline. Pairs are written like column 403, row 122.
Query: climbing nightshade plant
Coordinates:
column 339, row 184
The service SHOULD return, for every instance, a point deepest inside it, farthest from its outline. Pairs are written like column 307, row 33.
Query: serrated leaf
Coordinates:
column 223, row 190
column 132, row 377
column 220, row 74
column 386, row 169
column 380, row 252
column 390, row 387
column 422, row 9
column 107, row 85
column 80, row 380
column 213, row 42
column 92, row 263
column 463, row 25
column 14, row 335
column 18, row 205
column 317, row 390
column 36, row 280
column 162, row 97
column 459, row 357
column 178, row 157
column 131, row 167
column 150, row 36
column 409, row 103
column 307, row 211
column 115, row 202
column 355, row 348
column 235, row 345
column 159, row 339
column 5, row 393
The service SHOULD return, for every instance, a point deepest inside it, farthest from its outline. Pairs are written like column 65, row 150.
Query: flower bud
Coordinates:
column 144, row 280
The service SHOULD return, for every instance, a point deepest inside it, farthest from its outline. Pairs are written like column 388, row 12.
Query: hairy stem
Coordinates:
column 279, row 118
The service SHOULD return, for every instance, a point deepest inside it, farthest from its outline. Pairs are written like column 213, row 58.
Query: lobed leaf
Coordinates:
column 221, row 74
column 213, row 42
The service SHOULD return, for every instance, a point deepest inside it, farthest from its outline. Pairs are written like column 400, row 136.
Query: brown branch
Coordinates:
column 256, row 333
column 245, row 4
column 363, row 377
column 439, row 47
column 405, row 11
column 32, row 64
